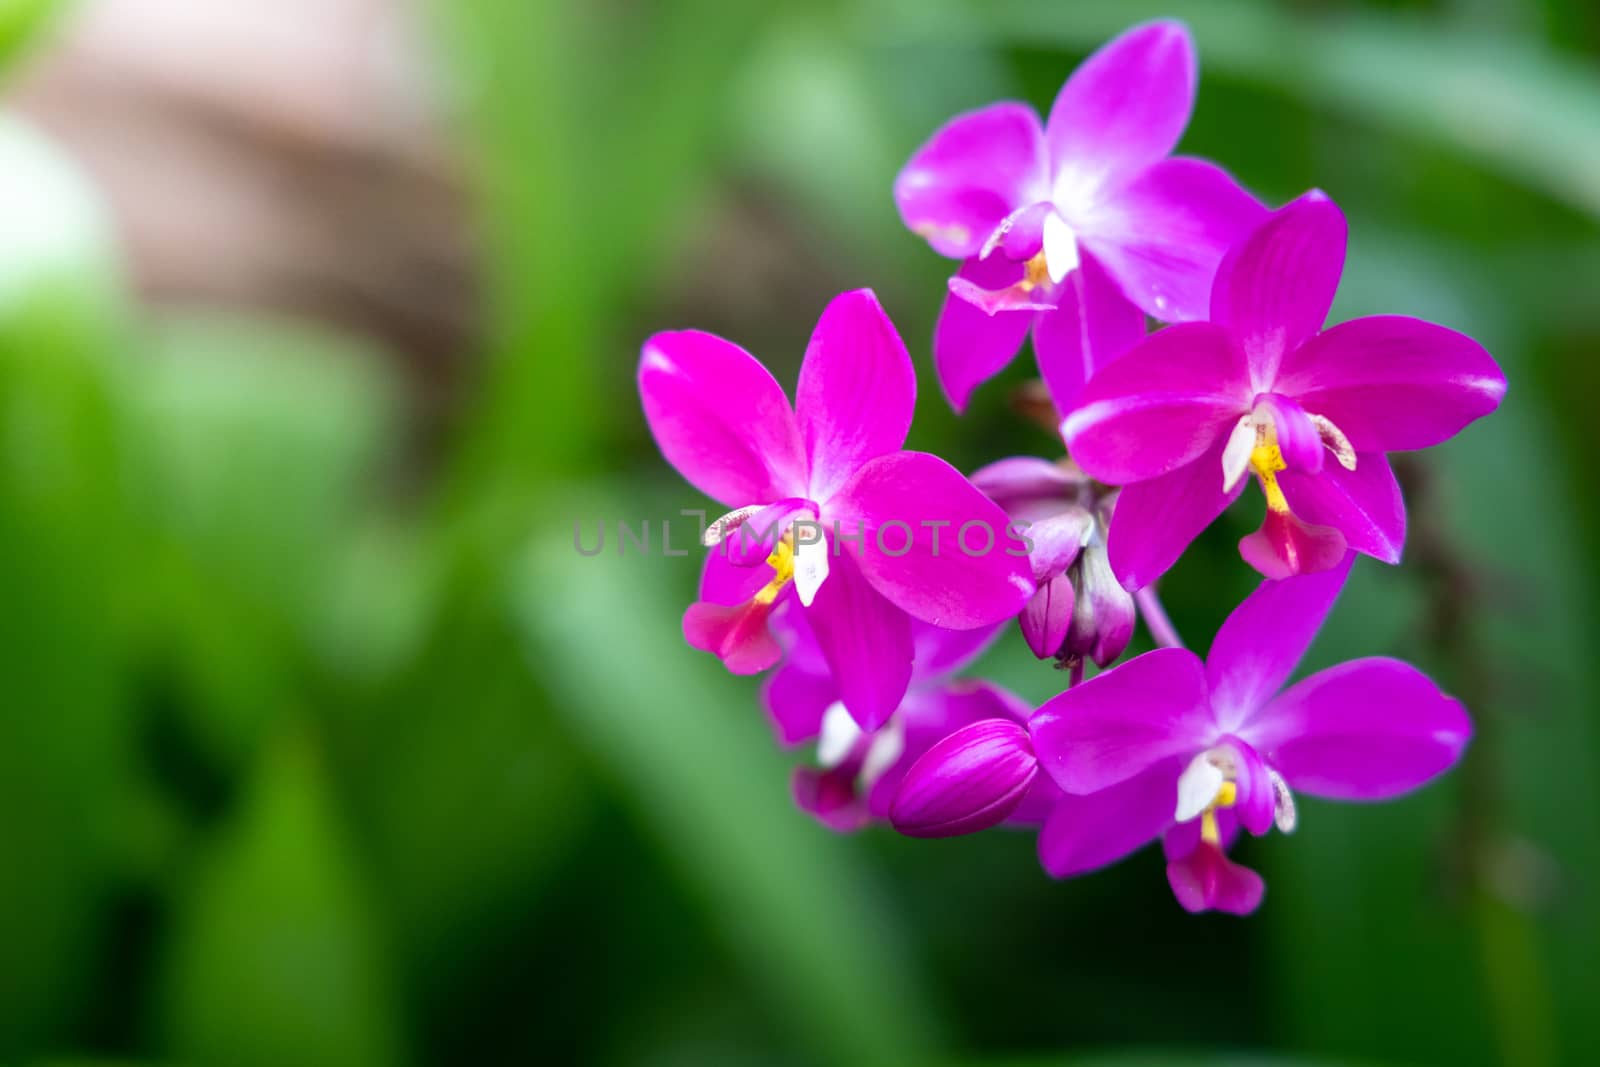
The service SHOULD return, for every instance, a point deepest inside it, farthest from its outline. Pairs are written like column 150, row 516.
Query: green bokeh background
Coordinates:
column 297, row 767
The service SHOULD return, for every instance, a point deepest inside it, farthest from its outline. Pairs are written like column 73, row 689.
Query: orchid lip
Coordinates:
column 782, row 563
column 1051, row 253
column 794, row 556
column 1017, row 297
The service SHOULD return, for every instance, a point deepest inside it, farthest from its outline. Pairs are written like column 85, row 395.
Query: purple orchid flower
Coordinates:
column 1076, row 229
column 1080, row 609
column 1165, row 742
column 859, row 771
column 843, row 519
column 1179, row 420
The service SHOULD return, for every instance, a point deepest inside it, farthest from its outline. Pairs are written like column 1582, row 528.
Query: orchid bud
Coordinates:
column 1103, row 613
column 970, row 781
column 1048, row 616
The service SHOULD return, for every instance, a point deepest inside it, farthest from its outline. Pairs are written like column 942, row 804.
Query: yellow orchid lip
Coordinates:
column 1266, row 459
column 782, row 563
column 1037, row 274
column 1227, row 796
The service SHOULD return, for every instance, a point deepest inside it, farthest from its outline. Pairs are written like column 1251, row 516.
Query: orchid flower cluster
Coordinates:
column 870, row 576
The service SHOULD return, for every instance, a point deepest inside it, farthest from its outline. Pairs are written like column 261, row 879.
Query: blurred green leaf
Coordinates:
column 1519, row 109
column 1469, row 890
column 66, row 790
column 275, row 956
column 490, row 783
column 20, row 22
column 378, row 596
column 258, row 444
column 1538, row 846
column 71, row 812
column 585, row 184
column 205, row 501
column 811, row 92
column 1134, row 1058
column 699, row 768
column 263, row 437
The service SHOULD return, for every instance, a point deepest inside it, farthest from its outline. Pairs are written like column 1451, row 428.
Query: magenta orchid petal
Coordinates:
column 1021, row 235
column 933, row 712
column 866, row 642
column 971, row 346
column 794, row 633
column 1119, row 724
column 1255, row 799
column 720, row 418
column 1155, row 521
column 1093, row 324
column 1364, row 730
column 1085, row 833
column 940, row 652
column 1033, row 811
column 1047, row 617
column 725, row 581
column 1163, row 235
column 1159, row 406
column 1123, row 109
column 1392, row 383
column 1365, row 504
column 1274, row 289
column 796, row 699
column 1259, row 644
column 1017, row 480
column 857, row 390
column 970, row 175
column 969, row 781
column 931, row 543
column 1207, row 880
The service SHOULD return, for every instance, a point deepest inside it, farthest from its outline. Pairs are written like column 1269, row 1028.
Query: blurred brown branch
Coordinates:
column 277, row 155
